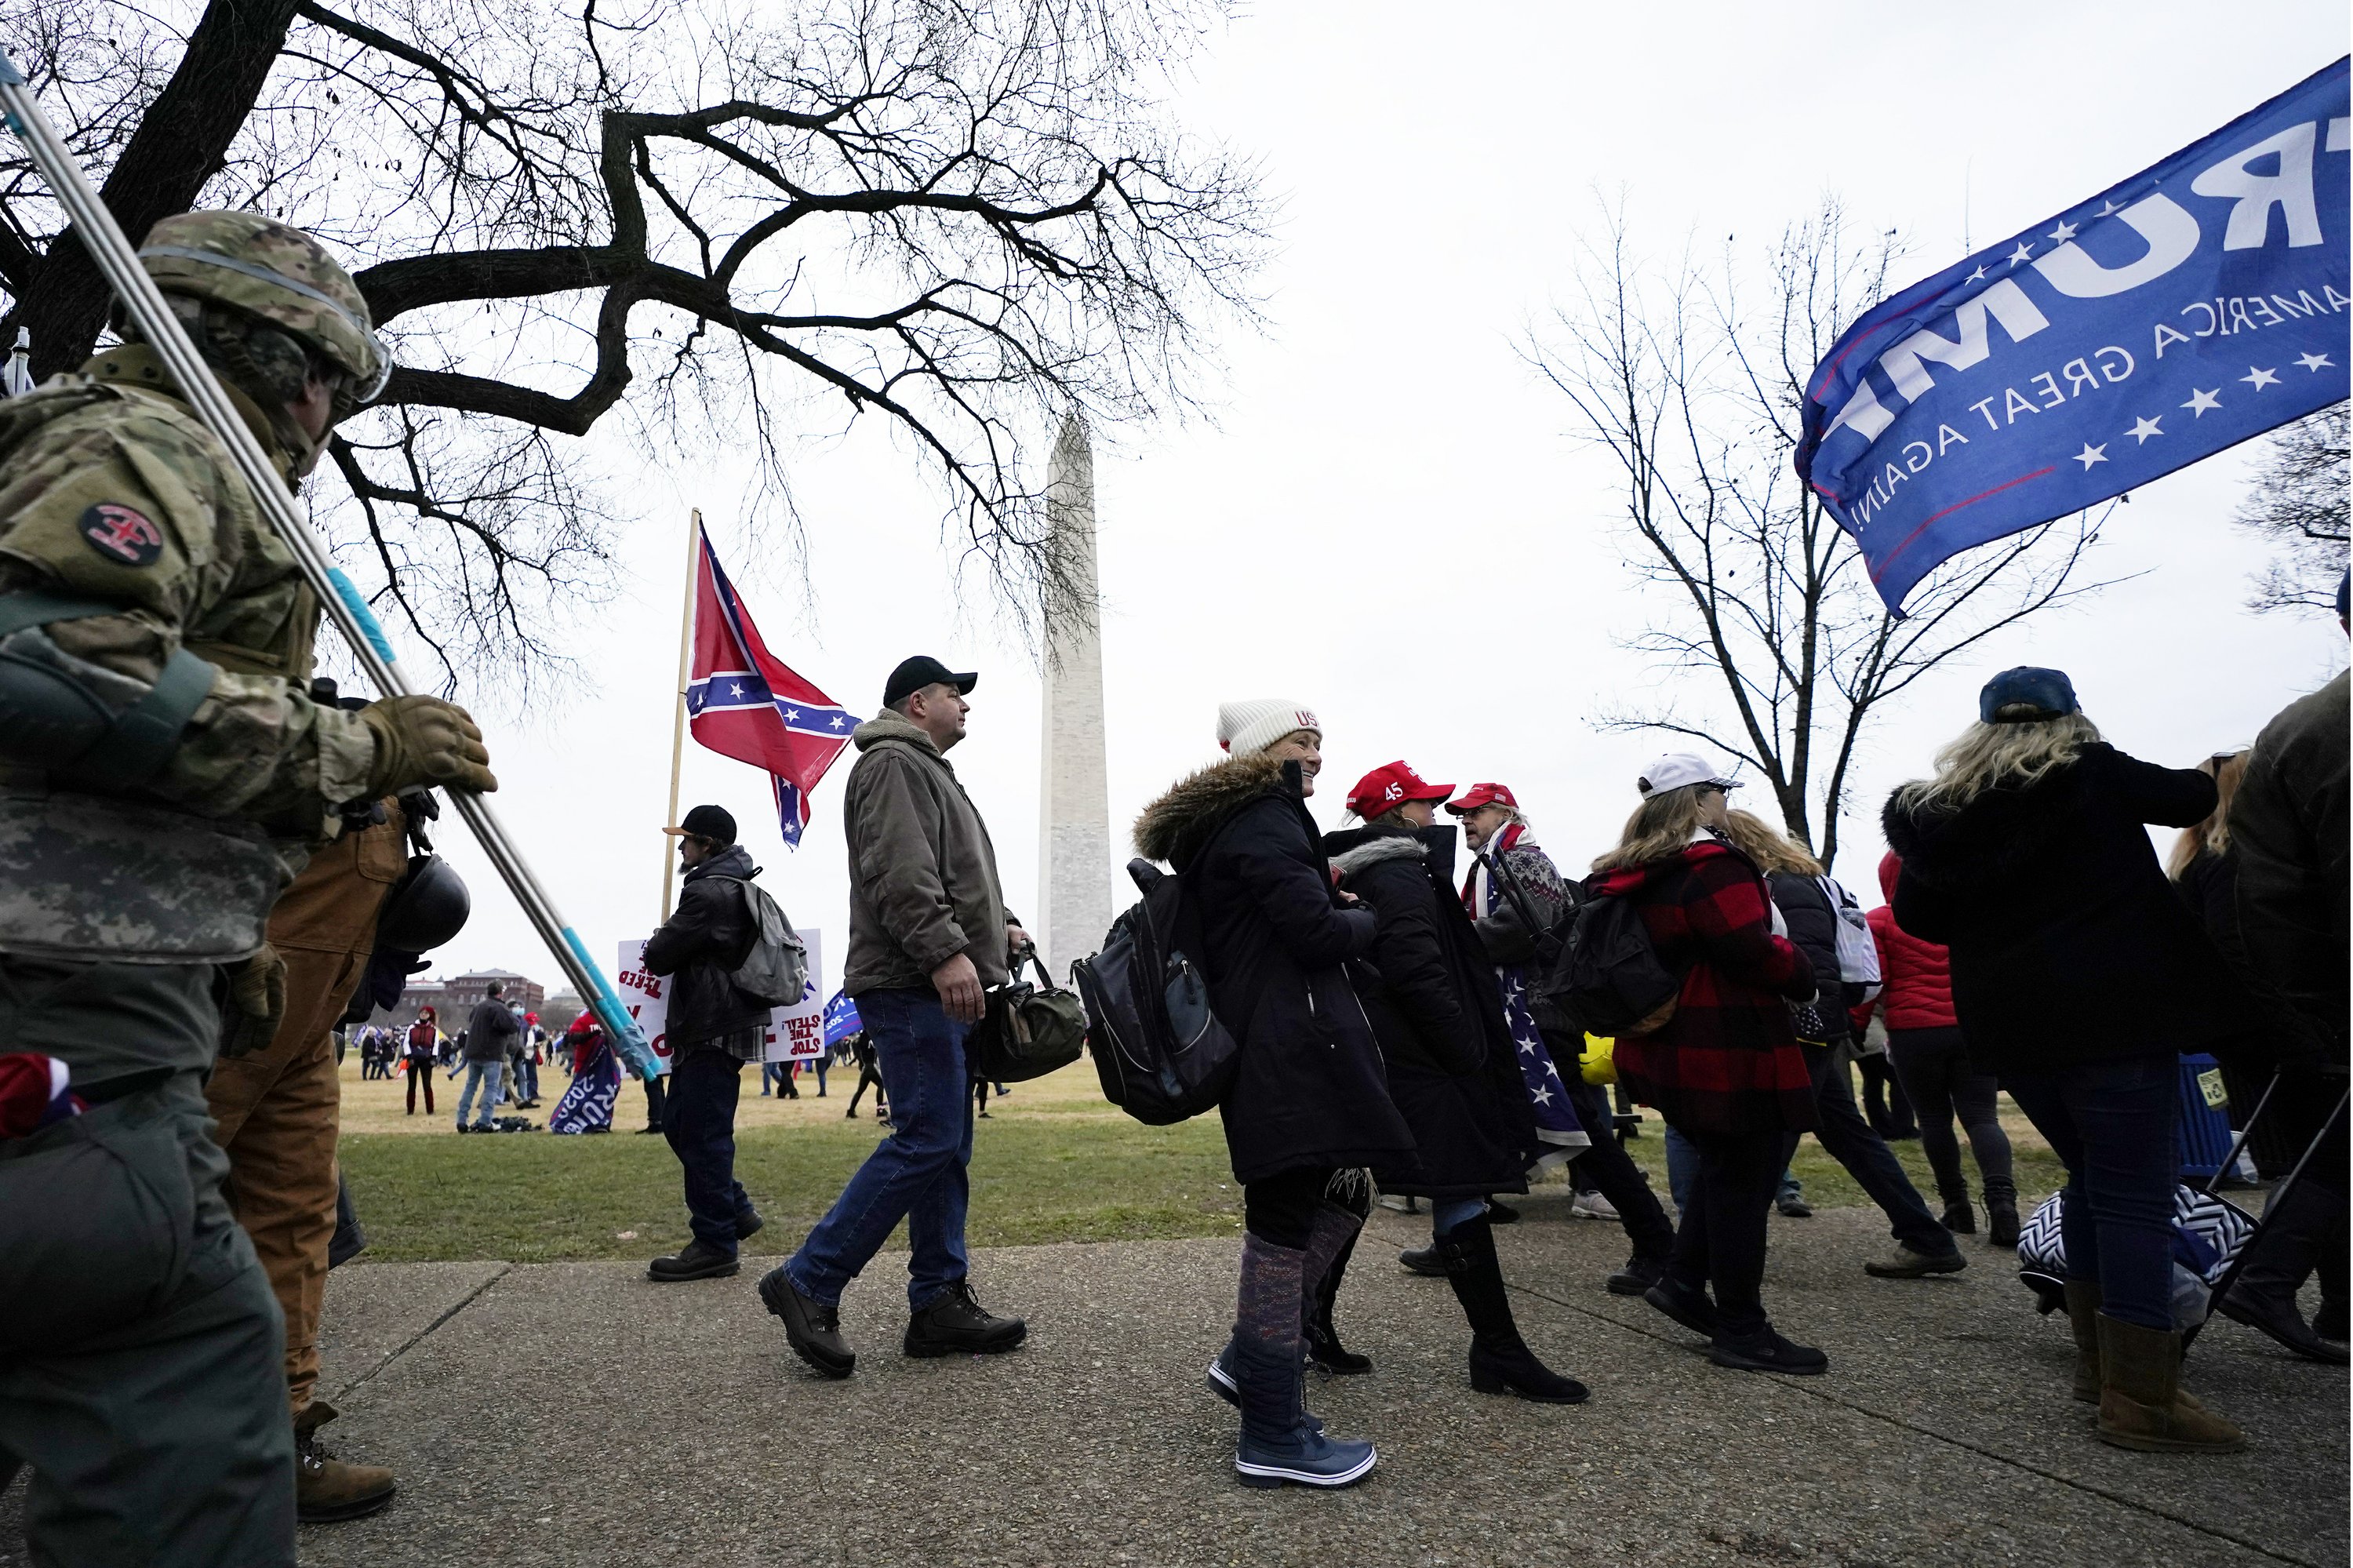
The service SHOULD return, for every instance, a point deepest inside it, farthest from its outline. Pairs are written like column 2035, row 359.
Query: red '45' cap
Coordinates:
column 1389, row 786
column 1479, row 795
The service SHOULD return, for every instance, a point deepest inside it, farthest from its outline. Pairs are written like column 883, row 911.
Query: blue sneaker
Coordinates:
column 1307, row 1460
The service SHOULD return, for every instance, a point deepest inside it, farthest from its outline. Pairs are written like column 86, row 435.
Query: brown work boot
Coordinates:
column 328, row 1489
column 2141, row 1403
column 2084, row 1318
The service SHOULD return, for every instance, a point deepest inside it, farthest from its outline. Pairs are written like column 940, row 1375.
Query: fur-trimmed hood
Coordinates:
column 1372, row 850
column 1202, row 799
column 2001, row 833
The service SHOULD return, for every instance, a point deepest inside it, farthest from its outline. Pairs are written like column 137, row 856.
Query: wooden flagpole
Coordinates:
column 678, row 724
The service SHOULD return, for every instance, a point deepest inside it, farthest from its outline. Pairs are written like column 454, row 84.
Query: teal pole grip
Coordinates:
column 348, row 592
column 626, row 1037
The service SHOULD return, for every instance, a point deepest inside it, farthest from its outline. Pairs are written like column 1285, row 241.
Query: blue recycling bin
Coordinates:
column 2203, row 1139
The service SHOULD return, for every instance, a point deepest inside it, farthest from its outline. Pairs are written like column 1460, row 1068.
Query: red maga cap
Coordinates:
column 1390, row 786
column 1479, row 795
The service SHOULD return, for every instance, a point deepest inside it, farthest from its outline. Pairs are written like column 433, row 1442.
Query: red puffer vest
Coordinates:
column 1916, row 976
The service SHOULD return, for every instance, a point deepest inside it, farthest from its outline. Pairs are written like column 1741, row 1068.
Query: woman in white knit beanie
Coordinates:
column 1245, row 729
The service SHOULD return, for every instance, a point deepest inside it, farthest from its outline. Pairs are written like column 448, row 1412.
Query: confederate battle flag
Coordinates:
column 742, row 703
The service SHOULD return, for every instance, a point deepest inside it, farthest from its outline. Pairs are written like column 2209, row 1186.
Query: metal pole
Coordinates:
column 678, row 721
column 107, row 245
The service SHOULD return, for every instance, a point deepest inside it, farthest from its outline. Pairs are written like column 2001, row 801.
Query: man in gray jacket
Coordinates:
column 493, row 1023
column 928, row 932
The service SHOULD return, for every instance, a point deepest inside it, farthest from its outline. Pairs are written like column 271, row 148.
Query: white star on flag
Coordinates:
column 792, row 715
column 1542, row 1096
column 734, row 688
column 2024, row 252
column 2108, row 207
column 836, row 721
column 2141, row 431
column 2092, row 454
column 2259, row 378
column 2201, row 401
column 2313, row 361
column 2065, row 232
column 1977, row 276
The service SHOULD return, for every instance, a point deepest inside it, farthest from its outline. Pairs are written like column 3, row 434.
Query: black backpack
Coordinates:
column 1606, row 976
column 1158, row 1046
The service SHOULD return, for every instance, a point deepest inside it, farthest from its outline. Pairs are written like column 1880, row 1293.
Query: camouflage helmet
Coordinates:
column 279, row 273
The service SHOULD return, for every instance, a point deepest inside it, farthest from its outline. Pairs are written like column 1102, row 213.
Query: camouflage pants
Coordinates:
column 139, row 1346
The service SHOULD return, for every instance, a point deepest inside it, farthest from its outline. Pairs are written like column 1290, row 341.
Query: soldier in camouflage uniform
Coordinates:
column 163, row 773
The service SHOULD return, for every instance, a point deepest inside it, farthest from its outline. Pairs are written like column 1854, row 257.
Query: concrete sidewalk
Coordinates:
column 574, row 1414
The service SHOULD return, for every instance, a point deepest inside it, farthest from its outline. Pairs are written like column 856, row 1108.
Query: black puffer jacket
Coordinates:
column 2289, row 829
column 1437, row 1013
column 1309, row 1090
column 2068, row 944
column 702, row 944
column 1813, row 931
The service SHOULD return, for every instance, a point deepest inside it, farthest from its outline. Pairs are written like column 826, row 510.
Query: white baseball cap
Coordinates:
column 1679, row 769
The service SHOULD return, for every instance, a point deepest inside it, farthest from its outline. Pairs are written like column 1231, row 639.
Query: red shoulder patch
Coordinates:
column 123, row 535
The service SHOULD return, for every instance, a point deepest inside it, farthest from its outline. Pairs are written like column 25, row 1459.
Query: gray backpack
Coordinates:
column 775, row 972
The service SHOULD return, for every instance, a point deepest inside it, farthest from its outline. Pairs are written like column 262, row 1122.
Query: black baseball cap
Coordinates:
column 921, row 671
column 713, row 822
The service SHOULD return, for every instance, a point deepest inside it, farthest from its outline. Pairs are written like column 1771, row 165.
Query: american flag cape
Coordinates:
column 742, row 702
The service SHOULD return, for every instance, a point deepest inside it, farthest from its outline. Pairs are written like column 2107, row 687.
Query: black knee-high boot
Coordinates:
column 1500, row 1361
column 1323, row 1346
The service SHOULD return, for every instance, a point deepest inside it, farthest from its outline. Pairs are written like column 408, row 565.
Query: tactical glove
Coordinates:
column 424, row 740
column 256, row 996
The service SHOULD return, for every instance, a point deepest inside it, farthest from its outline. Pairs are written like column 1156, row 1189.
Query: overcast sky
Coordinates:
column 1389, row 520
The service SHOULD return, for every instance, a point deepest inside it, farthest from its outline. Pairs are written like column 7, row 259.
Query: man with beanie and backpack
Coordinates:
column 928, row 934
column 714, row 1028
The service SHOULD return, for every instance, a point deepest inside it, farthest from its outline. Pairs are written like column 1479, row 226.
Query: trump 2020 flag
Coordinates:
column 742, row 702
column 2198, row 303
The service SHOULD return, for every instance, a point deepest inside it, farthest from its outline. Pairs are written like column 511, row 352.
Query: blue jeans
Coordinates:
column 918, row 1173
column 699, row 1123
column 2112, row 1124
column 530, row 1080
column 484, row 1075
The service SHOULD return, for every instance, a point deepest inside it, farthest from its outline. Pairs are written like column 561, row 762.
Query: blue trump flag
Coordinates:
column 2198, row 304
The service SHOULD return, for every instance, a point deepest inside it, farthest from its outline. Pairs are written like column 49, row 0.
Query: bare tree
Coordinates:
column 1695, row 385
column 968, row 218
column 2299, row 504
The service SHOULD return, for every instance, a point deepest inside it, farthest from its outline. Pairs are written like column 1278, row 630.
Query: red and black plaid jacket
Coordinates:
column 1727, row 1061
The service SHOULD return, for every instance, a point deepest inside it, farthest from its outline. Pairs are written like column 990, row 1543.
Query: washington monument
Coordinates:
column 1074, row 810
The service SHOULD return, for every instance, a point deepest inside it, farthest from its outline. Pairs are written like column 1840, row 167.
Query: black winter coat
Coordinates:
column 702, row 944
column 1437, row 1012
column 2068, row 944
column 2289, row 827
column 1309, row 1090
column 1813, row 931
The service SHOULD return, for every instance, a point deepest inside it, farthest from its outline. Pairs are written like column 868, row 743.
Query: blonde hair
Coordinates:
column 2214, row 832
column 1772, row 850
column 2005, row 756
column 1659, row 829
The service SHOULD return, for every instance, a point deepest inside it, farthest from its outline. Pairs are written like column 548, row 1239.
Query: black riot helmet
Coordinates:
column 427, row 907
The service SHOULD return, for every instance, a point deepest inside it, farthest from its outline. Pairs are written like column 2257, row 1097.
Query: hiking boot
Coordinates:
column 1790, row 1206
column 1689, row 1307
column 1908, row 1263
column 748, row 1224
column 2141, row 1404
column 1959, row 1218
column 1639, row 1275
column 957, row 1324
column 2002, row 1221
column 327, row 1489
column 1424, row 1261
column 1501, row 1213
column 696, row 1260
column 1324, row 1349
column 1766, row 1352
column 812, row 1328
column 1593, row 1206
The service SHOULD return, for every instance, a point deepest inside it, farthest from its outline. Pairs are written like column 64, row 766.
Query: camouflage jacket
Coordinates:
column 112, row 489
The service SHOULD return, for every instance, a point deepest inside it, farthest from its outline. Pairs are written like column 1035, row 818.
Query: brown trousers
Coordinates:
column 279, row 1109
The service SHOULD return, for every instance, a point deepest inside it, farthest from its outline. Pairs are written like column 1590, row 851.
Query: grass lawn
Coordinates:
column 1052, row 1164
